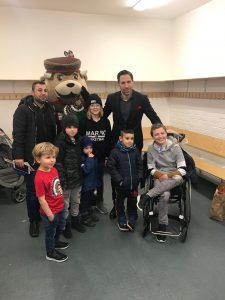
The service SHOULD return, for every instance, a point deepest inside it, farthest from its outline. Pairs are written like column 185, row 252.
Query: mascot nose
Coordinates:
column 70, row 85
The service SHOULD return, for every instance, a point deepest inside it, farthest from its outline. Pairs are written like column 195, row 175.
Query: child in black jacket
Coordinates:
column 98, row 129
column 125, row 167
column 68, row 164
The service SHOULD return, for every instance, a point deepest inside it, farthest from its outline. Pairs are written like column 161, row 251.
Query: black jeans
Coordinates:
column 31, row 199
column 121, row 195
column 86, row 201
column 53, row 229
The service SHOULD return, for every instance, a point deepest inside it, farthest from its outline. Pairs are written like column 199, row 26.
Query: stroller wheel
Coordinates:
column 19, row 194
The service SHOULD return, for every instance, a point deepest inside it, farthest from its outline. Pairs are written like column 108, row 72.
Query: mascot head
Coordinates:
column 66, row 83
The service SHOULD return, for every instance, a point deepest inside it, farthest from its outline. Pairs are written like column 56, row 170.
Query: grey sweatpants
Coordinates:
column 72, row 201
column 163, row 188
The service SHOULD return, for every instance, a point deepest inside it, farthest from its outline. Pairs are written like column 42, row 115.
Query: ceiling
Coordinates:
column 171, row 10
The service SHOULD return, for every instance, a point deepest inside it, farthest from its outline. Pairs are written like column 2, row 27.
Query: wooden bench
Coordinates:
column 208, row 152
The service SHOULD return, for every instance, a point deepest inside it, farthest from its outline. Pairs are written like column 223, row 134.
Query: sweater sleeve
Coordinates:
column 181, row 164
column 59, row 161
column 19, row 132
column 108, row 138
column 150, row 112
column 112, row 166
column 107, row 108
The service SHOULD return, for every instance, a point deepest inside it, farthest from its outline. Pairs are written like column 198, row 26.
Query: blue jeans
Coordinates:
column 53, row 229
column 31, row 199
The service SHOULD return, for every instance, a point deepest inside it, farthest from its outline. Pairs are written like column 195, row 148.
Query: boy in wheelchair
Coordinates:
column 167, row 165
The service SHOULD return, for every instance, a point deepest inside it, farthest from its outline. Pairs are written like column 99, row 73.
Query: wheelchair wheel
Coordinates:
column 187, row 204
column 184, row 232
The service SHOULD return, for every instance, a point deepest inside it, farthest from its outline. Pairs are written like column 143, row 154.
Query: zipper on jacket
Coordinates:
column 130, row 171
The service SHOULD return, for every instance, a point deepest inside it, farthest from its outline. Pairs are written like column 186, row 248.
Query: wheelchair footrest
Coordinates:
column 166, row 233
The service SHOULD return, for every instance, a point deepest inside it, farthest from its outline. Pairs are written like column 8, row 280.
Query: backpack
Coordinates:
column 191, row 169
column 217, row 209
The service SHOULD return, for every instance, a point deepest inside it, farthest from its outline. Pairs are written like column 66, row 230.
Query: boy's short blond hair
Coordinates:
column 44, row 149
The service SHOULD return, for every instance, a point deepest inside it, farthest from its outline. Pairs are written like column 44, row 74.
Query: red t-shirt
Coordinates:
column 47, row 184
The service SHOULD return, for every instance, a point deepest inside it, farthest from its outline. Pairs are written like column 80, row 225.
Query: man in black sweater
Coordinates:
column 128, row 107
column 33, row 123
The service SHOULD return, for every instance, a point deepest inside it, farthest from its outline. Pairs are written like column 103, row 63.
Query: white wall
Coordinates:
column 199, row 42
column 105, row 44
column 200, row 115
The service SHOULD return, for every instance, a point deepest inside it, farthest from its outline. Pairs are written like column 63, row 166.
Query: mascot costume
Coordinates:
column 66, row 85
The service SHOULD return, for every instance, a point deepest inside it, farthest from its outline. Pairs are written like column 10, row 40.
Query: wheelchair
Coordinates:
column 180, row 215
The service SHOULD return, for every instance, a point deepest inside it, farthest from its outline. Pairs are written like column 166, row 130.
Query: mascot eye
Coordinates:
column 75, row 75
column 60, row 77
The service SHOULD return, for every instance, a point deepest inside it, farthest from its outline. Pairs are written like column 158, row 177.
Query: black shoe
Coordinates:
column 101, row 208
column 88, row 222
column 76, row 224
column 61, row 245
column 161, row 238
column 112, row 214
column 67, row 232
column 142, row 200
column 130, row 226
column 91, row 215
column 56, row 256
column 123, row 227
column 34, row 229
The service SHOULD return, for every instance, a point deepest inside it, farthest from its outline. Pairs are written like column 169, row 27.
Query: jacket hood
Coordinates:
column 28, row 100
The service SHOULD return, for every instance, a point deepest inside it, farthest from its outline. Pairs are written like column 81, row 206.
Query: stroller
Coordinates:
column 8, row 177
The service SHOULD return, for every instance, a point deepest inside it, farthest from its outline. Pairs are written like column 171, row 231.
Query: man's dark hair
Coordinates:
column 125, row 131
column 124, row 72
column 37, row 82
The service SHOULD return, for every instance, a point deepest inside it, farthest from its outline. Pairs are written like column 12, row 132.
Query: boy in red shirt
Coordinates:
column 50, row 197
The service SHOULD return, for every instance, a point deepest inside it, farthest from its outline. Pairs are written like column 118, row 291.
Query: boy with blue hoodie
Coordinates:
column 125, row 167
column 91, row 182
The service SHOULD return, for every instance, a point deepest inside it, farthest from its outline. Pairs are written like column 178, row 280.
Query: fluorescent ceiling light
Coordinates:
column 147, row 4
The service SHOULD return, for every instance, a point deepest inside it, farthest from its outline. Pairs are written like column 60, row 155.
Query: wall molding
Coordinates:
column 192, row 95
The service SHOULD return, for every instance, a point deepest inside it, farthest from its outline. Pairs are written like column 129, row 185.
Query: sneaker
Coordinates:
column 101, row 208
column 130, row 226
column 61, row 245
column 123, row 227
column 56, row 256
column 91, row 215
column 161, row 238
column 112, row 214
column 94, row 218
column 142, row 200
column 76, row 224
column 34, row 229
column 67, row 233
column 88, row 222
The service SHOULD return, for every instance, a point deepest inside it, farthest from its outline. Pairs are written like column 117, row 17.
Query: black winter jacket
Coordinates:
column 25, row 128
column 139, row 105
column 68, row 162
column 125, row 168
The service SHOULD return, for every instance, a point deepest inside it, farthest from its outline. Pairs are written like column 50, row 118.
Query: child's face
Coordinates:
column 159, row 136
column 95, row 109
column 47, row 161
column 71, row 131
column 87, row 150
column 127, row 139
